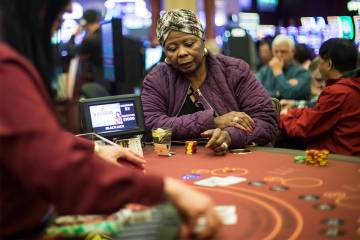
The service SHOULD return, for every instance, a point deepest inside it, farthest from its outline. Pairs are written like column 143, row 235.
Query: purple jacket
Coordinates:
column 229, row 86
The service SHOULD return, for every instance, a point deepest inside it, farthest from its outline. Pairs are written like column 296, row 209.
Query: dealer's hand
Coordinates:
column 120, row 155
column 219, row 141
column 192, row 205
column 235, row 119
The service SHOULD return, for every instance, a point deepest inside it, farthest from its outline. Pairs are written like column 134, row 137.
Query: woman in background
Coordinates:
column 317, row 85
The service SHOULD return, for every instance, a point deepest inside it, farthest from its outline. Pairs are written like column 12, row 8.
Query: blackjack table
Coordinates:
column 280, row 199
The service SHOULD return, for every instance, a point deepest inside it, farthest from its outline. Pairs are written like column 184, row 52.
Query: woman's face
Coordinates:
column 185, row 52
column 324, row 68
column 317, row 82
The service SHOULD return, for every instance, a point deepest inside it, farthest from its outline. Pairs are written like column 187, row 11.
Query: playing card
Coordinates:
column 209, row 182
column 230, row 220
column 225, row 209
column 227, row 214
column 200, row 225
column 230, row 180
column 220, row 181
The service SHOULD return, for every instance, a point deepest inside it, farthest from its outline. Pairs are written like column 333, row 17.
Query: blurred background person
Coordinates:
column 264, row 52
column 317, row 85
column 333, row 123
column 303, row 55
column 282, row 77
column 90, row 48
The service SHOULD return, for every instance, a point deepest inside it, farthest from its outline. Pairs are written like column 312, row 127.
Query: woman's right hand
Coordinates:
column 235, row 119
column 193, row 205
column 219, row 140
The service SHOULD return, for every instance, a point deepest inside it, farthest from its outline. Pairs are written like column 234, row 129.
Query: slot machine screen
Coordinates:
column 347, row 27
column 249, row 22
column 334, row 26
column 357, row 31
column 245, row 5
column 108, row 51
column 341, row 27
column 267, row 5
column 266, row 31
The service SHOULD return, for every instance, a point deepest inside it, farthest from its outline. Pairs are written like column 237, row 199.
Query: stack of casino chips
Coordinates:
column 190, row 147
column 149, row 223
column 313, row 157
column 316, row 157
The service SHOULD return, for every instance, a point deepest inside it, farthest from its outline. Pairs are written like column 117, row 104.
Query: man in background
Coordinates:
column 282, row 77
column 89, row 49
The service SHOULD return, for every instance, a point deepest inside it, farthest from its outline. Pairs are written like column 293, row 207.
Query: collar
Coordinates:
column 332, row 81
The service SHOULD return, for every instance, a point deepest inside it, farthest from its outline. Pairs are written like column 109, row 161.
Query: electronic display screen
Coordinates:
column 334, row 27
column 266, row 30
column 341, row 26
column 113, row 117
column 267, row 5
column 249, row 22
column 314, row 41
column 357, row 29
column 152, row 56
column 108, row 51
column 347, row 27
column 245, row 5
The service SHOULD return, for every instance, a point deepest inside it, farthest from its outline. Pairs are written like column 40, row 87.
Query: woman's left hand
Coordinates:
column 219, row 141
column 120, row 155
column 235, row 119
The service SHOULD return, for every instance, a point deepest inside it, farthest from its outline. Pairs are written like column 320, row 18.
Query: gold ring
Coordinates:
column 224, row 145
column 236, row 119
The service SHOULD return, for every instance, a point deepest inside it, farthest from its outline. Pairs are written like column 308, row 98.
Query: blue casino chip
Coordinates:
column 189, row 177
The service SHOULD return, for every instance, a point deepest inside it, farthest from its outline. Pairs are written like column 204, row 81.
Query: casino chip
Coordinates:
column 333, row 221
column 279, row 188
column 190, row 147
column 324, row 206
column 333, row 232
column 309, row 197
column 299, row 159
column 257, row 183
column 190, row 177
column 240, row 151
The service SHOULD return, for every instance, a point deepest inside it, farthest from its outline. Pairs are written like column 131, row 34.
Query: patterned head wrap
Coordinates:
column 181, row 20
